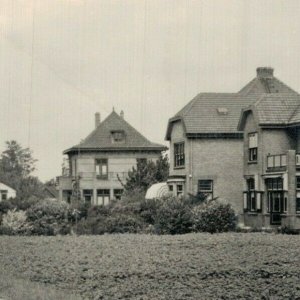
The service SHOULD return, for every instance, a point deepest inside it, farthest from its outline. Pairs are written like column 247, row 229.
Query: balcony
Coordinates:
column 276, row 163
column 109, row 176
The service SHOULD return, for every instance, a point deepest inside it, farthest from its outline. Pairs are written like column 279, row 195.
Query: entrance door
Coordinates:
column 276, row 207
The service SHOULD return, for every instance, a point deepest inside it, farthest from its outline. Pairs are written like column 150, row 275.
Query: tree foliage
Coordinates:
column 147, row 173
column 16, row 167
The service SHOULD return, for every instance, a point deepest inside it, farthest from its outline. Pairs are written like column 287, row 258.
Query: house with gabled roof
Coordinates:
column 6, row 192
column 271, row 174
column 99, row 165
column 206, row 147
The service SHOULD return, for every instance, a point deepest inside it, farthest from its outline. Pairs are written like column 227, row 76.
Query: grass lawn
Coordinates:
column 192, row 266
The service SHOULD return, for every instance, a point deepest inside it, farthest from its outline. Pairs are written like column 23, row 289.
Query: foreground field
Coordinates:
column 194, row 266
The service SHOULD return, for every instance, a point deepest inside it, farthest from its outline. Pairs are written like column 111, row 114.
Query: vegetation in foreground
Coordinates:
column 191, row 266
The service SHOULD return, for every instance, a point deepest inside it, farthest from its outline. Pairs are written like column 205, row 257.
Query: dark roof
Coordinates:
column 101, row 137
column 274, row 110
column 51, row 191
column 217, row 114
column 266, row 85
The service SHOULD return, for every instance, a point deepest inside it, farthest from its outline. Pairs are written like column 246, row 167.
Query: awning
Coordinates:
column 273, row 175
column 157, row 191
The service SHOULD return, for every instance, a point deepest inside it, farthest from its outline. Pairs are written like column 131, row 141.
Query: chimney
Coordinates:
column 97, row 119
column 122, row 114
column 264, row 72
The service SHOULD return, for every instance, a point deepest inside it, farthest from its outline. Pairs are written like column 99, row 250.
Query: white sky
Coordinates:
column 149, row 58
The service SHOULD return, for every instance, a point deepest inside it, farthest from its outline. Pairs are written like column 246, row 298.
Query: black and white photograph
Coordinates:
column 149, row 149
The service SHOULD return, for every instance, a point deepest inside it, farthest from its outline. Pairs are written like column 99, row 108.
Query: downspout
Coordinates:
column 191, row 168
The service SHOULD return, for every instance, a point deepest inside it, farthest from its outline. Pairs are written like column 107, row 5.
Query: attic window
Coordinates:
column 222, row 111
column 118, row 136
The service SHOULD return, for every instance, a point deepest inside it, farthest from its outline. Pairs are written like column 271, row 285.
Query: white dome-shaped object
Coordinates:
column 157, row 191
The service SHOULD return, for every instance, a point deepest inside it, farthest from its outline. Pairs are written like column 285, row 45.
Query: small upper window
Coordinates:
column 252, row 137
column 118, row 136
column 222, row 111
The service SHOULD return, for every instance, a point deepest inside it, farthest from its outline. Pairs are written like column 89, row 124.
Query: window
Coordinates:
column 285, row 204
column 179, row 155
column 206, row 187
column 88, row 196
column 298, row 202
column 101, row 168
column 276, row 161
column 118, row 136
column 141, row 161
column 179, row 190
column 118, row 194
column 170, row 188
column 103, row 197
column 252, row 198
column 252, row 137
column 298, row 182
column 3, row 195
column 275, row 184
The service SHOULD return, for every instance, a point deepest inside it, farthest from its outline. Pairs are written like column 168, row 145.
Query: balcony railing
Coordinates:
column 94, row 175
column 276, row 162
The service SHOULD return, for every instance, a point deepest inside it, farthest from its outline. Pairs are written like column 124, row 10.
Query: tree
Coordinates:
column 147, row 173
column 17, row 160
column 16, row 166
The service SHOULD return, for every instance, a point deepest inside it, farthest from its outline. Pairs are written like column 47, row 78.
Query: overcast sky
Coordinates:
column 63, row 60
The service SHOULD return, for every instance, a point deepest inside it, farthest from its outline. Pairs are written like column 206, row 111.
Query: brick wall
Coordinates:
column 216, row 159
column 220, row 160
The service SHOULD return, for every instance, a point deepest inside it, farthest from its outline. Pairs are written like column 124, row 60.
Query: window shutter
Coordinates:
column 258, row 201
column 253, row 140
column 245, row 200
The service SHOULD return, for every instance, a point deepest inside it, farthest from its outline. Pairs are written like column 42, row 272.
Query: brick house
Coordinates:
column 271, row 161
column 206, row 148
column 97, row 167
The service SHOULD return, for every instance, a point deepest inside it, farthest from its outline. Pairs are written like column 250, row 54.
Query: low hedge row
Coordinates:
column 133, row 214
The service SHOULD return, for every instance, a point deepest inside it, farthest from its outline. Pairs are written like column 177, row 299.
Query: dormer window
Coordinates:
column 118, row 136
column 222, row 111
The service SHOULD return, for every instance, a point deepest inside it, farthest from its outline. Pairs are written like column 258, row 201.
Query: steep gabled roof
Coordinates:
column 218, row 114
column 274, row 110
column 265, row 83
column 101, row 137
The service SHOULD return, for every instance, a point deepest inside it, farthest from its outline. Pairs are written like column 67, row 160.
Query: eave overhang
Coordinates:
column 112, row 149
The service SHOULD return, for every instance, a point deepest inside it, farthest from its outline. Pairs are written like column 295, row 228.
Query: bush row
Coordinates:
column 132, row 214
column 171, row 215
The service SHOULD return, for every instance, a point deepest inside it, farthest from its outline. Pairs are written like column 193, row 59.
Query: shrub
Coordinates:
column 120, row 223
column 149, row 209
column 173, row 217
column 5, row 206
column 15, row 222
column 49, row 217
column 81, row 208
column 53, row 209
column 116, row 223
column 24, row 204
column 213, row 217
